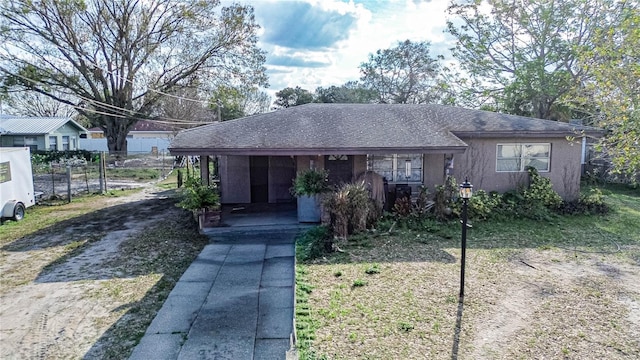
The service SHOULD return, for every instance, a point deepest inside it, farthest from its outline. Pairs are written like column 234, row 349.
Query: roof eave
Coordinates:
column 317, row 151
column 527, row 134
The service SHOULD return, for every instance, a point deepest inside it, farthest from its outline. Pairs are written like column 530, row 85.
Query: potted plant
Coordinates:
column 202, row 200
column 307, row 187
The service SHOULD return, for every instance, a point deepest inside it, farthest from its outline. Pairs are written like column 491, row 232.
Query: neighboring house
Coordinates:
column 410, row 145
column 41, row 133
column 145, row 136
column 143, row 129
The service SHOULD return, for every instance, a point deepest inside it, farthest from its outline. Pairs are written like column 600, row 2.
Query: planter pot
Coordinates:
column 208, row 218
column 309, row 209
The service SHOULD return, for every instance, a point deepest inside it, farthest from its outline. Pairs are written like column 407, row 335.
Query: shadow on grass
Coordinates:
column 121, row 338
column 458, row 328
column 441, row 242
column 165, row 246
column 97, row 222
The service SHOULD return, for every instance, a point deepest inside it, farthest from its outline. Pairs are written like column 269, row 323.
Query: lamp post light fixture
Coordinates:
column 466, row 190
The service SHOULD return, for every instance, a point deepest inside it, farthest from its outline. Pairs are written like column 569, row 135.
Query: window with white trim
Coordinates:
column 53, row 143
column 517, row 157
column 397, row 168
column 65, row 143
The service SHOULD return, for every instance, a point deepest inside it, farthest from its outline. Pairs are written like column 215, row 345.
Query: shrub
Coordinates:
column 402, row 207
column 349, row 208
column 588, row 204
column 195, row 195
column 445, row 205
column 483, row 204
column 61, row 156
column 313, row 243
column 540, row 190
column 310, row 182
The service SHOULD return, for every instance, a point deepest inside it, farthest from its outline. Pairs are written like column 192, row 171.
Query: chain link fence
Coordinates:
column 58, row 176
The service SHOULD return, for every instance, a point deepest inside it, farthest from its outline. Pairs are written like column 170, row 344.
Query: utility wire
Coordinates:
column 114, row 107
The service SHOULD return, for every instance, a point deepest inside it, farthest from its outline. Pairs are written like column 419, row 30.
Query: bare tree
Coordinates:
column 116, row 59
column 34, row 104
column 184, row 108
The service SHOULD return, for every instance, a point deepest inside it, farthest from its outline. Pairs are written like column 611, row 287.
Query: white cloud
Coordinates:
column 322, row 42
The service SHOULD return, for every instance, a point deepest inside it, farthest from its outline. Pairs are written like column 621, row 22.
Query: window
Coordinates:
column 65, row 143
column 31, row 142
column 26, row 141
column 397, row 168
column 53, row 143
column 517, row 157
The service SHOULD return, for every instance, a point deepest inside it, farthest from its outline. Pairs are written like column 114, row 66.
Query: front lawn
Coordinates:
column 566, row 287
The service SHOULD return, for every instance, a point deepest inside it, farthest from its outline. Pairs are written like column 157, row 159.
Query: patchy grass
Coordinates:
column 41, row 217
column 139, row 174
column 111, row 261
column 153, row 260
column 562, row 288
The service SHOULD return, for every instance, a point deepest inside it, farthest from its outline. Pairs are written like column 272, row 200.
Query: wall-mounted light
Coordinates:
column 407, row 168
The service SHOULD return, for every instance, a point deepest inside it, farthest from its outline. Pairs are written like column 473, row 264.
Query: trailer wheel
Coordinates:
column 18, row 212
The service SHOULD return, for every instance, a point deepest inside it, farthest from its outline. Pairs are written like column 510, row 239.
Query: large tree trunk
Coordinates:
column 116, row 131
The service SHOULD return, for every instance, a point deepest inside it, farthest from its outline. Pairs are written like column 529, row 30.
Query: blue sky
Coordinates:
column 311, row 43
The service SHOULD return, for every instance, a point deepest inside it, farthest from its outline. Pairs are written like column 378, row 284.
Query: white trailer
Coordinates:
column 16, row 182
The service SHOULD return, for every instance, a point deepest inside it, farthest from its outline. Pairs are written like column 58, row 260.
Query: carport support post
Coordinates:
column 204, row 169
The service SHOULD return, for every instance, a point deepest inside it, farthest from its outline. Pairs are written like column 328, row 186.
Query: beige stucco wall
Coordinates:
column 478, row 163
column 359, row 165
column 433, row 171
column 303, row 162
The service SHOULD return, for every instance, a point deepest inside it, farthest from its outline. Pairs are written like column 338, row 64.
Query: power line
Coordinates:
column 114, row 107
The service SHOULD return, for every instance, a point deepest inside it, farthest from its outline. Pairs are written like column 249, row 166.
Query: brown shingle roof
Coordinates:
column 358, row 129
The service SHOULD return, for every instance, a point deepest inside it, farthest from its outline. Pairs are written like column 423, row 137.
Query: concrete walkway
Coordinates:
column 235, row 301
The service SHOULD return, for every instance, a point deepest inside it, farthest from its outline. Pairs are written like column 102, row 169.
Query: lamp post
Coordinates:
column 466, row 190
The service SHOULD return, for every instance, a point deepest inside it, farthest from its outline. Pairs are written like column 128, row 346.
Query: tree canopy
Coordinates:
column 405, row 74
column 614, row 87
column 233, row 103
column 289, row 97
column 522, row 54
column 114, row 60
column 351, row 92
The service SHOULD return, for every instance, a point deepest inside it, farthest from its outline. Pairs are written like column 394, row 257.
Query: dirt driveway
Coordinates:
column 88, row 286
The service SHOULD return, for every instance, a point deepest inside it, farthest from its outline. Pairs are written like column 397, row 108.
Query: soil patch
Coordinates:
column 90, row 285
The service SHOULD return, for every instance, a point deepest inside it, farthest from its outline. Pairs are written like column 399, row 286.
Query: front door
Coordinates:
column 259, row 177
column 340, row 168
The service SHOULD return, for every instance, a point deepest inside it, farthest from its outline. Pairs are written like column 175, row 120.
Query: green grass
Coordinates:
column 409, row 303
column 141, row 174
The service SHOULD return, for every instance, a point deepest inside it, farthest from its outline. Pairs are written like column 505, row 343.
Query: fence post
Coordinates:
column 69, row 182
column 53, row 178
column 102, row 175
